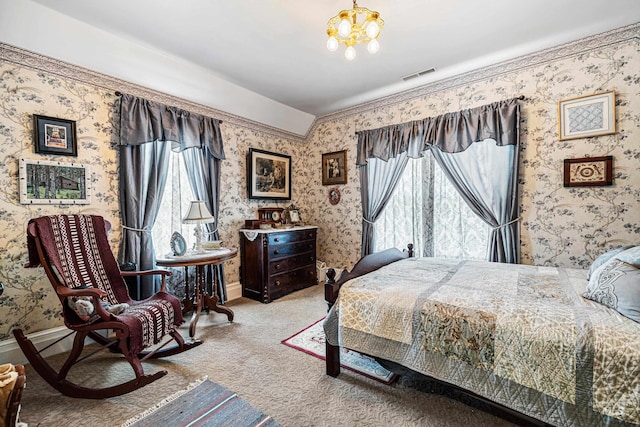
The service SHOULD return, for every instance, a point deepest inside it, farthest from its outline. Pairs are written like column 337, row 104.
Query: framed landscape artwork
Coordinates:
column 588, row 171
column 55, row 136
column 587, row 116
column 54, row 183
column 268, row 175
column 334, row 168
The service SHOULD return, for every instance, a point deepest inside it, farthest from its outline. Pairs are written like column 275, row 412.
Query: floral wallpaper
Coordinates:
column 28, row 301
column 560, row 226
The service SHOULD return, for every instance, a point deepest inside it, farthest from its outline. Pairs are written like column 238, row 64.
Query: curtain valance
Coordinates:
column 143, row 121
column 450, row 132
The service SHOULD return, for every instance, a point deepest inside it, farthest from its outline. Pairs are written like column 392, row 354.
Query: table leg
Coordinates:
column 198, row 289
column 212, row 301
column 187, row 302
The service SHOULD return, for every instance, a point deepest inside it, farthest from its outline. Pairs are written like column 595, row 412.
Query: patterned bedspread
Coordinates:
column 519, row 335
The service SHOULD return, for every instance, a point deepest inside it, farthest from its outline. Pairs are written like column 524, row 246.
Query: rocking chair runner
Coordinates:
column 77, row 258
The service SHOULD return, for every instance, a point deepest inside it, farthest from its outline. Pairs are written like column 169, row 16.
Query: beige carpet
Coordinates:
column 247, row 357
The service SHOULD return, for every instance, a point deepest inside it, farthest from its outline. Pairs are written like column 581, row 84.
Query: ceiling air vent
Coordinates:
column 418, row 74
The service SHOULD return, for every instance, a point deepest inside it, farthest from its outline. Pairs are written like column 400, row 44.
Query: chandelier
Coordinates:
column 345, row 28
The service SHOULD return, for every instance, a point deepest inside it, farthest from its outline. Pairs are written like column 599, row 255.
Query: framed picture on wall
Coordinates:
column 586, row 116
column 588, row 171
column 54, row 183
column 268, row 175
column 334, row 168
column 55, row 136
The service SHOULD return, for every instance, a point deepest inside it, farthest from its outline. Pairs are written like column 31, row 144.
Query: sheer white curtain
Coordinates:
column 427, row 210
column 174, row 205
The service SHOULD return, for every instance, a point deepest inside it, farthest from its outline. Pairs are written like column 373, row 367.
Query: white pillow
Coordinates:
column 606, row 257
column 616, row 284
column 630, row 256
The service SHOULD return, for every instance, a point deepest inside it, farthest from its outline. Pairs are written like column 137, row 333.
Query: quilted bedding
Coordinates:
column 519, row 335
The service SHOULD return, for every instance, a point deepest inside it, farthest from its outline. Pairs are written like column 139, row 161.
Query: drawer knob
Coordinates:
column 276, row 239
column 276, row 252
column 277, row 266
column 277, row 283
column 310, row 258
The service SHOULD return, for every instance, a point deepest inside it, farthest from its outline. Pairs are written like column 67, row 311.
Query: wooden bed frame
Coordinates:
column 371, row 263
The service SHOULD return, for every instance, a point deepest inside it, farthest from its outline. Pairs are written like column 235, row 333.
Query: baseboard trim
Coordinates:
column 10, row 351
column 234, row 291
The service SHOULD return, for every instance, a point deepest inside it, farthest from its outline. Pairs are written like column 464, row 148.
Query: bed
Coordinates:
column 522, row 337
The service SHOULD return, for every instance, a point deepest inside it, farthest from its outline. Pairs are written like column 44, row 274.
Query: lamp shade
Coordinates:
column 198, row 213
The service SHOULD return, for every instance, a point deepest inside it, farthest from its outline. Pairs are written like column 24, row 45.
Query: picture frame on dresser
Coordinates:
column 54, row 136
column 294, row 216
column 268, row 175
column 587, row 116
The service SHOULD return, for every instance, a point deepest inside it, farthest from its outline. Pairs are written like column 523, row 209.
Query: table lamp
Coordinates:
column 198, row 214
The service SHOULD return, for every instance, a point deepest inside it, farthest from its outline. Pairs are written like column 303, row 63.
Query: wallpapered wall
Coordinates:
column 28, row 301
column 560, row 226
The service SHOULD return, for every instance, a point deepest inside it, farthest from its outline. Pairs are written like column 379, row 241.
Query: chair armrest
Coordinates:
column 95, row 294
column 63, row 291
column 163, row 273
column 145, row 273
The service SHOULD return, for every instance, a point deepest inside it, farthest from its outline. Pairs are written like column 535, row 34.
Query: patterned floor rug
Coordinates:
column 203, row 403
column 311, row 340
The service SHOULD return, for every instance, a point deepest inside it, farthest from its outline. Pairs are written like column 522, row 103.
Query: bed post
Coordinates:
column 331, row 290
column 410, row 250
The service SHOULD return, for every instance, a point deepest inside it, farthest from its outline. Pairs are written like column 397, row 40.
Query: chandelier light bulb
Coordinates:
column 373, row 46
column 344, row 29
column 350, row 53
column 332, row 44
column 373, row 29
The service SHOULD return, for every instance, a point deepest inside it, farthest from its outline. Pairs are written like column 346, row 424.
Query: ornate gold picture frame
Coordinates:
column 587, row 116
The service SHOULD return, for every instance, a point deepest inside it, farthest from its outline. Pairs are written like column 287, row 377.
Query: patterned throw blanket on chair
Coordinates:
column 78, row 249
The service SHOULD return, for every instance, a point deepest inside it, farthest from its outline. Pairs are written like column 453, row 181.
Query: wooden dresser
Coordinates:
column 277, row 262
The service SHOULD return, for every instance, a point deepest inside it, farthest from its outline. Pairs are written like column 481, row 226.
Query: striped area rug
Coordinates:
column 203, row 403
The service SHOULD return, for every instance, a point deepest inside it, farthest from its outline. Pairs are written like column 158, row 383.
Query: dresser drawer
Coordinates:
column 285, row 250
column 291, row 263
column 283, row 284
column 292, row 236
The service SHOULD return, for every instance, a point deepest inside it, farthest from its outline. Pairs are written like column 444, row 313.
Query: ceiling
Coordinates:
column 276, row 48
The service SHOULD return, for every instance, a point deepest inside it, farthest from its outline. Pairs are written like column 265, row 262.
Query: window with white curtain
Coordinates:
column 426, row 210
column 175, row 202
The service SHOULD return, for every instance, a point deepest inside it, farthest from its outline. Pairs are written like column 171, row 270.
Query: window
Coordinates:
column 175, row 200
column 426, row 210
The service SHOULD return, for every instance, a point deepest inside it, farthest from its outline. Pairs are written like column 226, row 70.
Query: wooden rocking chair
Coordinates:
column 77, row 258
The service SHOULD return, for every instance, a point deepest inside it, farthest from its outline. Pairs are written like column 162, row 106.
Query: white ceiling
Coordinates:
column 276, row 48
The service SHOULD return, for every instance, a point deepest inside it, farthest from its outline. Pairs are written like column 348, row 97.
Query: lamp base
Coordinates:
column 197, row 247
